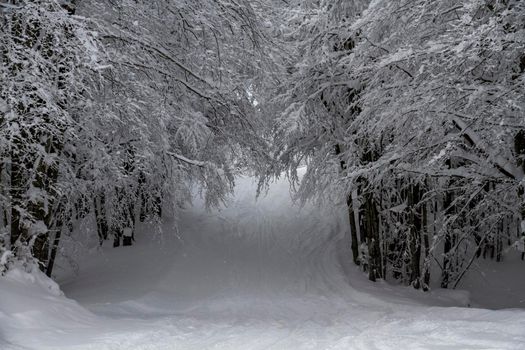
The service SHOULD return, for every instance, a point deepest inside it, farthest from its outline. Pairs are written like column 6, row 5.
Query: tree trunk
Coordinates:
column 450, row 238
column 371, row 227
column 426, row 263
column 445, row 276
column 414, row 238
column 142, row 196
column 19, row 232
column 59, row 216
column 101, row 217
column 353, row 230
column 519, row 148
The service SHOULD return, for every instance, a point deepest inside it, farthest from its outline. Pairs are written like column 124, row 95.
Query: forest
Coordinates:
column 409, row 115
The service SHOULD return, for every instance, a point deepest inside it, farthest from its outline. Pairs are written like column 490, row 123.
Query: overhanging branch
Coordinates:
column 197, row 163
column 502, row 164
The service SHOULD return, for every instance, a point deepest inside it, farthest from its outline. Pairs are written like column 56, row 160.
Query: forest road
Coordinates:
column 264, row 274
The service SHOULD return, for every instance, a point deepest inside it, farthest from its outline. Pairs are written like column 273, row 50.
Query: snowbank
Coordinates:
column 33, row 307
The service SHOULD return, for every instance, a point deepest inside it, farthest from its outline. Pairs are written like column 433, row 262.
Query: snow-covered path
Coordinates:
column 257, row 275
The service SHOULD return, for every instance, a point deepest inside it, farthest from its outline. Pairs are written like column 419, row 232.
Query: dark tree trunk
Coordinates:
column 371, row 227
column 353, row 230
column 445, row 276
column 101, row 217
column 124, row 231
column 350, row 206
column 19, row 232
column 157, row 206
column 53, row 253
column 426, row 265
column 45, row 179
column 414, row 238
column 519, row 148
column 142, row 195
column 58, row 224
column 5, row 235
column 129, row 237
column 499, row 241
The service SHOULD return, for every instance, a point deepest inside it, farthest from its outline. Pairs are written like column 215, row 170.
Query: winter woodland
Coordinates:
column 409, row 114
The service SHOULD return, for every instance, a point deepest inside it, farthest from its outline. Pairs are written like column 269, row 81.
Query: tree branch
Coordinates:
column 198, row 163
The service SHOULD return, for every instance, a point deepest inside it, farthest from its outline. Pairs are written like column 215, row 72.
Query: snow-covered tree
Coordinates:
column 415, row 117
column 48, row 57
column 178, row 96
column 117, row 109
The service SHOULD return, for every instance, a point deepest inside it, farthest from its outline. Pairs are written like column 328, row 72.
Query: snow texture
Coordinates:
column 257, row 275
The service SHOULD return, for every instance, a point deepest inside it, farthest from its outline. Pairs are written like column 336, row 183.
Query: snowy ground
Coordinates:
column 258, row 275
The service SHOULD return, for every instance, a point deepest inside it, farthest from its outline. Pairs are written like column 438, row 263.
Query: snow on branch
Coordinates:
column 188, row 86
column 503, row 165
column 4, row 7
column 160, row 51
column 187, row 160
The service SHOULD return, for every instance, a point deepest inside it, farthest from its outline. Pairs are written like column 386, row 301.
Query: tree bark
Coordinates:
column 101, row 217
column 426, row 263
column 371, row 227
column 414, row 239
column 445, row 276
column 353, row 230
